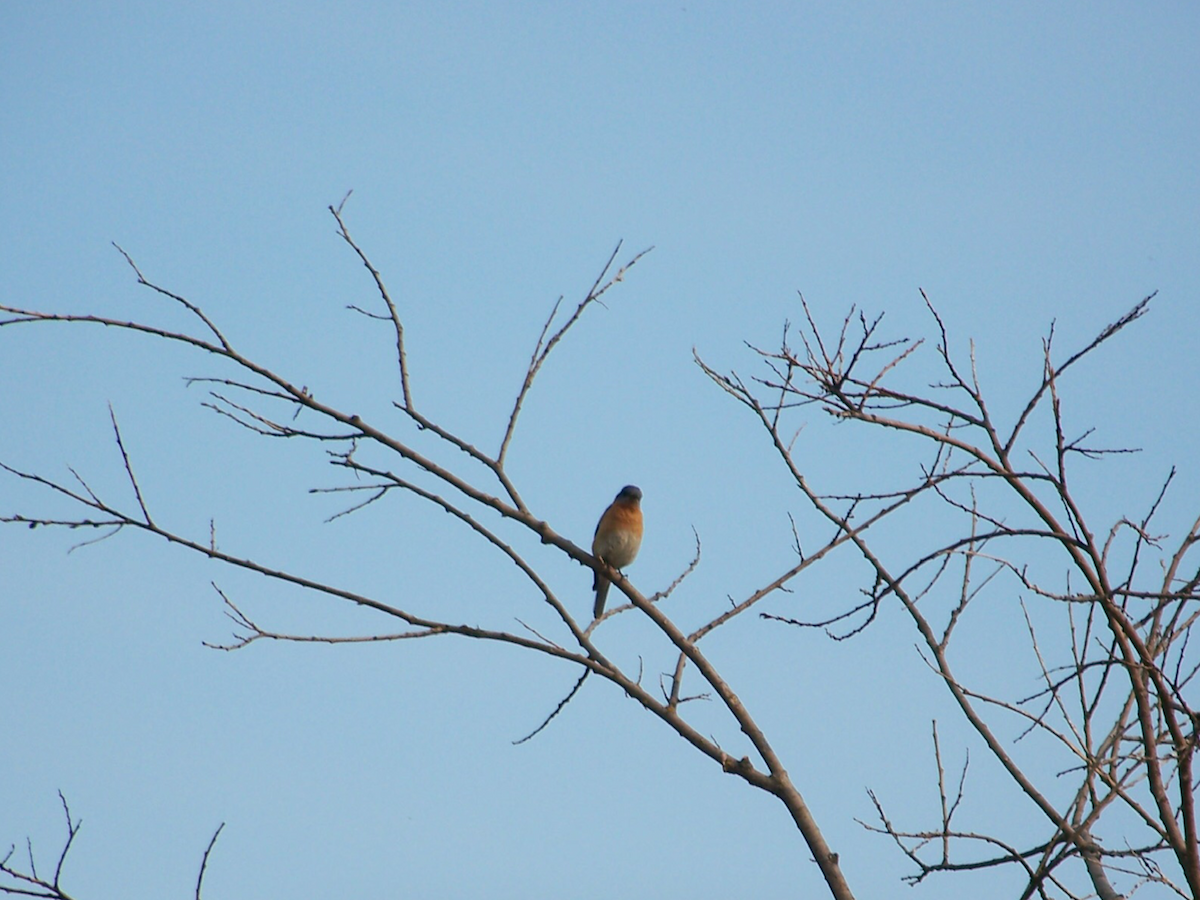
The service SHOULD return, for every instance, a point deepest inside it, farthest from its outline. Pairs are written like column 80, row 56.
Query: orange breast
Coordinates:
column 619, row 535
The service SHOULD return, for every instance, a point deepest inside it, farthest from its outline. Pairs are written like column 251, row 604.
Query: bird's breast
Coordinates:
column 620, row 548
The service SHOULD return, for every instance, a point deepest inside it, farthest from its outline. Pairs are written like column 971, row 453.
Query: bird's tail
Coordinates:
column 601, row 585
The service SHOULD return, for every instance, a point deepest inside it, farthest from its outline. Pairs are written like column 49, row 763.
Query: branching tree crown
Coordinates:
column 1109, row 626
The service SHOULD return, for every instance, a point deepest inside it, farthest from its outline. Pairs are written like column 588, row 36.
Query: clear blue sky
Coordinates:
column 1021, row 162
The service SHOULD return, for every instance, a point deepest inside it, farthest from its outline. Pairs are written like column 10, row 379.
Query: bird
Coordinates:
column 618, row 538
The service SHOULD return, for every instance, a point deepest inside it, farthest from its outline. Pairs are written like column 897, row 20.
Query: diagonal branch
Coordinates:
column 393, row 314
column 543, row 347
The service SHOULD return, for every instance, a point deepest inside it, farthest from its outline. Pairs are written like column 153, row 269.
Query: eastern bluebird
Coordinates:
column 618, row 537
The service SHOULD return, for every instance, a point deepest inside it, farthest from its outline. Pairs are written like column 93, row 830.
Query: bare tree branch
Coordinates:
column 1109, row 650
